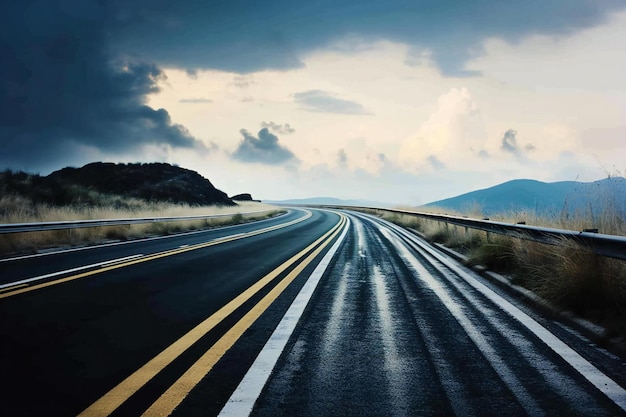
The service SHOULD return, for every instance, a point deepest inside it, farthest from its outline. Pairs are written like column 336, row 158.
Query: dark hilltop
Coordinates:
column 154, row 182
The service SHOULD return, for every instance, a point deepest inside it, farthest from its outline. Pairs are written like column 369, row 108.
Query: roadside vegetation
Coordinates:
column 569, row 276
column 20, row 209
column 113, row 191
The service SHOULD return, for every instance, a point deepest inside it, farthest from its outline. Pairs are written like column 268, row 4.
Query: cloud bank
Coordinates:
column 248, row 36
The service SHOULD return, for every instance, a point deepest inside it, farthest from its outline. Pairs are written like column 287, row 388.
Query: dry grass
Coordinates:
column 569, row 276
column 14, row 209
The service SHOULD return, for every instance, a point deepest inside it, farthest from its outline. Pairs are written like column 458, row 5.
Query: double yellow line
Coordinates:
column 20, row 289
column 176, row 393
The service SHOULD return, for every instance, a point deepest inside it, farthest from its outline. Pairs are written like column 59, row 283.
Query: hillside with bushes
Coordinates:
column 102, row 183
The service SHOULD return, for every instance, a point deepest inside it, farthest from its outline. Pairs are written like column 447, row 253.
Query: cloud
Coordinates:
column 192, row 73
column 510, row 145
column 435, row 162
column 451, row 133
column 243, row 81
column 195, row 100
column 321, row 101
column 248, row 36
column 62, row 92
column 264, row 150
column 342, row 158
column 565, row 61
column 509, row 142
column 285, row 129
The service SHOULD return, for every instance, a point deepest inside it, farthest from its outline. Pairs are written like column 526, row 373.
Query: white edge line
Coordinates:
column 249, row 389
column 128, row 242
column 69, row 271
column 590, row 372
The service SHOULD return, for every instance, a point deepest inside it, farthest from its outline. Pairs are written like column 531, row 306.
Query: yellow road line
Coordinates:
column 12, row 288
column 147, row 258
column 167, row 402
column 124, row 390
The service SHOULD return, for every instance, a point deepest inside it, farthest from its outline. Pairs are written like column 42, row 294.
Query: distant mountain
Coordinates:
column 541, row 198
column 329, row 201
column 87, row 185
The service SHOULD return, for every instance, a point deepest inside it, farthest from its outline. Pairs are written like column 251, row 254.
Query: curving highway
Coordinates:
column 314, row 313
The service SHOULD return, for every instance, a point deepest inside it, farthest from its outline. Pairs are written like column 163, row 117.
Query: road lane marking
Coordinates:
column 181, row 388
column 130, row 262
column 459, row 397
column 495, row 359
column 130, row 242
column 591, row 373
column 70, row 271
column 12, row 288
column 125, row 389
column 247, row 392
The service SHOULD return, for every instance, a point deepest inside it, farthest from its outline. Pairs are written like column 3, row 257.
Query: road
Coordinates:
column 313, row 313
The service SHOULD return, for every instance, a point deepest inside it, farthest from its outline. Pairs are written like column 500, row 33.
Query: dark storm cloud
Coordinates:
column 248, row 35
column 322, row 101
column 285, row 129
column 263, row 149
column 62, row 91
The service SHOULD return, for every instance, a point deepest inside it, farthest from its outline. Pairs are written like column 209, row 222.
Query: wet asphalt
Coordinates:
column 390, row 331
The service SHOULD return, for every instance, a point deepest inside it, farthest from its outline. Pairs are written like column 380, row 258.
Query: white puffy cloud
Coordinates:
column 452, row 134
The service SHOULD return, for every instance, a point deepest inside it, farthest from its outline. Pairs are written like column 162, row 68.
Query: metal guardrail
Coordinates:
column 77, row 224
column 610, row 246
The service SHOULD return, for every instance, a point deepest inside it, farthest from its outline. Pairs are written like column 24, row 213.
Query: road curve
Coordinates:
column 396, row 329
column 73, row 336
column 318, row 313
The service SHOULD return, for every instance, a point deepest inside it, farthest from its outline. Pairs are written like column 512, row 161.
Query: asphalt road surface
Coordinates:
column 314, row 313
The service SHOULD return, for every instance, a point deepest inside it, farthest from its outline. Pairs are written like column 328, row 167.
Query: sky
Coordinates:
column 402, row 102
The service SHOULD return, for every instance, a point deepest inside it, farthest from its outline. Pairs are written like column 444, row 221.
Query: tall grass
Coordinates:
column 16, row 209
column 569, row 276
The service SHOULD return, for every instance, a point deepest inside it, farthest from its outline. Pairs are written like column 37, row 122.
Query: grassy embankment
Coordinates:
column 18, row 209
column 569, row 276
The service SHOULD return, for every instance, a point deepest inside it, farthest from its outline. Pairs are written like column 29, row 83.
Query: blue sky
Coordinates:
column 399, row 101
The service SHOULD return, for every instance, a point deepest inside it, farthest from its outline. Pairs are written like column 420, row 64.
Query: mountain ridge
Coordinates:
column 563, row 197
